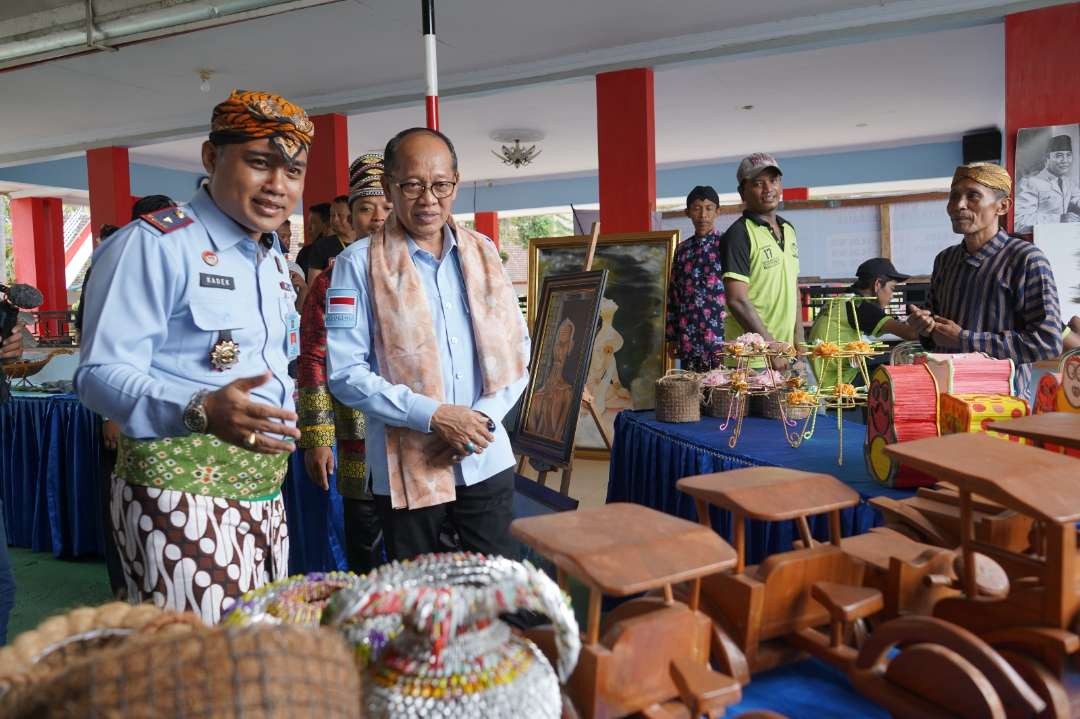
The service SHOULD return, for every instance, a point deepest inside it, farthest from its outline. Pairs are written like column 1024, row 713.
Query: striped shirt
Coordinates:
column 1003, row 297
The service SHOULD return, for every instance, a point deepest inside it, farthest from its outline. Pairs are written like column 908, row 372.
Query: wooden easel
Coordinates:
column 586, row 402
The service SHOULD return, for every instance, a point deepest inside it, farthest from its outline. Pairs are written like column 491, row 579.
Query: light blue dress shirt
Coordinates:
column 156, row 305
column 353, row 371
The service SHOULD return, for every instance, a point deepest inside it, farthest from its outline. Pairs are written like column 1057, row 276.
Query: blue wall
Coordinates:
column 71, row 173
column 911, row 162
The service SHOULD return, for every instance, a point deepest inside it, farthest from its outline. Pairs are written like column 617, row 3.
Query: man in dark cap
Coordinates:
column 190, row 326
column 876, row 280
column 1049, row 196
column 695, row 309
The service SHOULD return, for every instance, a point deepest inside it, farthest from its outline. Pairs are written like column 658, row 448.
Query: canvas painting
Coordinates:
column 628, row 354
column 562, row 345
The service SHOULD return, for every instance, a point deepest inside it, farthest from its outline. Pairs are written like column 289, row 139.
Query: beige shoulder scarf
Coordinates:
column 408, row 353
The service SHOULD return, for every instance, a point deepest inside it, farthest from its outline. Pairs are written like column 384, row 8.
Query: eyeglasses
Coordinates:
column 1060, row 156
column 414, row 190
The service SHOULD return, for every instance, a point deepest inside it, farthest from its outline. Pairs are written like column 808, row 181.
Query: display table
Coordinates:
column 649, row 457
column 51, row 466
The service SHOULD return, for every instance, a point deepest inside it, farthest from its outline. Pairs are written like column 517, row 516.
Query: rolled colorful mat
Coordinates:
column 902, row 405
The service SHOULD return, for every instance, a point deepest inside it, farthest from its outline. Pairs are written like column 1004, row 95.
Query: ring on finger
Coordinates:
column 470, row 447
column 251, row 440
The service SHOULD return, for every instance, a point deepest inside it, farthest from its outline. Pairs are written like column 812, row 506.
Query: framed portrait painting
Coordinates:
column 562, row 342
column 628, row 354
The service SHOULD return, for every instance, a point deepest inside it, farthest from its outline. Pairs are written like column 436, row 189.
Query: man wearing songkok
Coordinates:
column 761, row 260
column 344, row 234
column 426, row 338
column 323, row 420
column 991, row 292
column 695, row 309
column 191, row 327
column 1049, row 196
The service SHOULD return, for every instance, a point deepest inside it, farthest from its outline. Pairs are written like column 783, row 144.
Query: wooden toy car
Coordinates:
column 651, row 655
column 1034, row 625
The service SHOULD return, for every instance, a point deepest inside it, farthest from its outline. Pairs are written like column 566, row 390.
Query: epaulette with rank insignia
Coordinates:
column 167, row 220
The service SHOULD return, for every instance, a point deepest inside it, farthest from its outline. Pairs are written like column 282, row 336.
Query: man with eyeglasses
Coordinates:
column 1049, row 197
column 425, row 337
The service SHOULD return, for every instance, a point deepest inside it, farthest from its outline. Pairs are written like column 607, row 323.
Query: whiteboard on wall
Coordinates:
column 686, row 227
column 833, row 241
column 920, row 230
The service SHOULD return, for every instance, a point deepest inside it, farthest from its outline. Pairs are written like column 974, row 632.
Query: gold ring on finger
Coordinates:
column 251, row 439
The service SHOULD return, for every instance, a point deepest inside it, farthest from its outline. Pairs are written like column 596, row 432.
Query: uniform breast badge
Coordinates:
column 225, row 353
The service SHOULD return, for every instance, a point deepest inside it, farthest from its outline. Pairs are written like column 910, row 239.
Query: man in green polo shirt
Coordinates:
column 760, row 259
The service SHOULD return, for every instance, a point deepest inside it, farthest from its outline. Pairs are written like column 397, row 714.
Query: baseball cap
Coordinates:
column 752, row 166
column 880, row 267
column 703, row 192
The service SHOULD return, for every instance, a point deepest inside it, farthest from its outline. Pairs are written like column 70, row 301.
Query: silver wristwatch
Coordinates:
column 195, row 412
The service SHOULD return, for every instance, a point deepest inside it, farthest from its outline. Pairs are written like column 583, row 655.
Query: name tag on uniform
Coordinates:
column 221, row 282
column 292, row 334
column 341, row 308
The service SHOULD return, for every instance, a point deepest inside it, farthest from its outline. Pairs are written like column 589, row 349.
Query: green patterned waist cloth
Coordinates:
column 200, row 464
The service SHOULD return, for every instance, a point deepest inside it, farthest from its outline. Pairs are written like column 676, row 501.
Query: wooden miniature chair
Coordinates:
column 1035, row 621
column 776, row 598
column 651, row 651
column 913, row 576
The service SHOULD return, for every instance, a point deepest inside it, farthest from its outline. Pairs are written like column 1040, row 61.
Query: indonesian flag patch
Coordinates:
column 341, row 308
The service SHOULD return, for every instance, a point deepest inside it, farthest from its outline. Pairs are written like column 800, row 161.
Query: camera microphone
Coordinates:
column 24, row 297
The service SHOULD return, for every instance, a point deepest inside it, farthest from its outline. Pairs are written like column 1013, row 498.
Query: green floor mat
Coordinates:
column 45, row 585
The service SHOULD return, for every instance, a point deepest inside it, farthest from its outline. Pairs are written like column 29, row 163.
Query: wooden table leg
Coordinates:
column 804, row 532
column 967, row 529
column 739, row 532
column 702, row 508
column 593, row 635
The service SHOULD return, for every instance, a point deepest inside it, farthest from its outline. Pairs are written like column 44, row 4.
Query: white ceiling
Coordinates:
column 698, row 107
column 506, row 63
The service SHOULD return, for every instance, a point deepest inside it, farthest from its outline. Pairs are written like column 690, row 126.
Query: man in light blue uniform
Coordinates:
column 191, row 324
column 473, row 331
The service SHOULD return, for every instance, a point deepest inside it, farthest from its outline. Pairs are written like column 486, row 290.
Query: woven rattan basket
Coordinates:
column 768, row 406
column 57, row 642
column 678, row 397
column 264, row 671
column 717, row 401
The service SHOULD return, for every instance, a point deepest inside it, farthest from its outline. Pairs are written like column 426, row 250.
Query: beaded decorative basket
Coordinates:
column 453, row 656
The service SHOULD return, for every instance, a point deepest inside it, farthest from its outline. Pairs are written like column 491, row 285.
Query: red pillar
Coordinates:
column 37, row 225
column 328, row 161
column 1040, row 66
column 626, row 144
column 109, row 180
column 796, row 193
column 487, row 223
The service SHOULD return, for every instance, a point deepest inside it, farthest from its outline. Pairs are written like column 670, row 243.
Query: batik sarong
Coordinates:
column 191, row 552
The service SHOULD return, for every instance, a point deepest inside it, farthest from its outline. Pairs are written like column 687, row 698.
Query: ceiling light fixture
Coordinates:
column 516, row 154
column 747, row 107
column 862, row 124
column 204, row 76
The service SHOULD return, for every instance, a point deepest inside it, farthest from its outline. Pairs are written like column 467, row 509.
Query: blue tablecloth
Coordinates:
column 50, row 469
column 649, row 457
